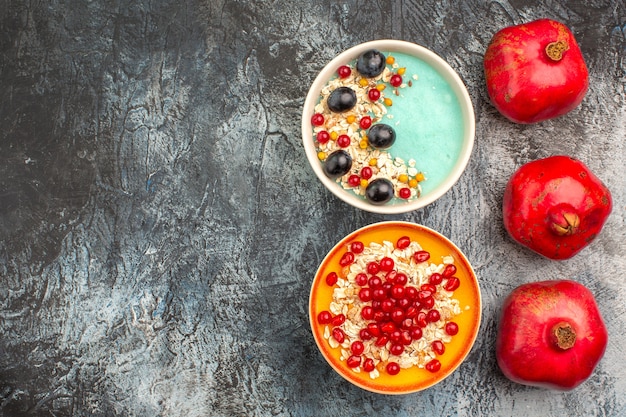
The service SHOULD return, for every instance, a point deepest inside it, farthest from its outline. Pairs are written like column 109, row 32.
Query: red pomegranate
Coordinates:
column 551, row 335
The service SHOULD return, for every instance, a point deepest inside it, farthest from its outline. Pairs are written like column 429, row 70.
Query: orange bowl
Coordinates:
column 410, row 378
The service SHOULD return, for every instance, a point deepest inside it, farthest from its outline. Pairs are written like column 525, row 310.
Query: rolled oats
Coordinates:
column 360, row 151
column 346, row 300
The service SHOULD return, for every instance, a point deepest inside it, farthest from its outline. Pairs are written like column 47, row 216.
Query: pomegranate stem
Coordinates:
column 555, row 50
column 564, row 223
column 563, row 335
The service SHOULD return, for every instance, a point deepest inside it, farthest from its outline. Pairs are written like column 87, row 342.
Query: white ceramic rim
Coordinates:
column 442, row 67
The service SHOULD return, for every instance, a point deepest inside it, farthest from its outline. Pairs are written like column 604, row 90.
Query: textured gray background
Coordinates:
column 160, row 226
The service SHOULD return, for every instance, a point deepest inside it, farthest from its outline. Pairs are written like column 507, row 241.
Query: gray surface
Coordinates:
column 159, row 225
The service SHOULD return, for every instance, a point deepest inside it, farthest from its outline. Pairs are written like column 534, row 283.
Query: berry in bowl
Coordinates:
column 388, row 126
column 395, row 307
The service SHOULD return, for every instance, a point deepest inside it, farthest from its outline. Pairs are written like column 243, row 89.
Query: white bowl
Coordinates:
column 457, row 162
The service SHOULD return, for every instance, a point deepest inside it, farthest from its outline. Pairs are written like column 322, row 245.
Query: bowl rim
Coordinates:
column 422, row 229
column 444, row 69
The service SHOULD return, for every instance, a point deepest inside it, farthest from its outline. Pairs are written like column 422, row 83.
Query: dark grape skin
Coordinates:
column 337, row 164
column 371, row 63
column 341, row 99
column 381, row 136
column 379, row 191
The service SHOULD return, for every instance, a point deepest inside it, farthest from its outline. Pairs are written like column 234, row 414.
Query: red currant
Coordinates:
column 411, row 312
column 374, row 329
column 322, row 136
column 367, row 313
column 344, row 71
column 387, row 305
column 404, row 303
column 393, row 368
column 353, row 361
column 416, row 333
column 428, row 303
column 436, row 278
column 365, row 122
column 366, row 173
column 396, row 349
column 391, row 277
column 338, row 335
column 372, row 268
column 397, row 315
column 406, row 337
column 428, row 287
column 338, row 320
column 364, row 334
column 379, row 294
column 346, row 259
column 388, row 328
column 403, row 242
column 449, row 270
column 452, row 284
column 438, row 347
column 396, row 336
column 343, row 141
column 405, row 193
column 331, row 278
column 407, row 324
column 365, row 294
column 375, row 282
column 452, row 328
column 421, row 256
column 373, row 94
column 386, row 264
column 360, row 279
column 421, row 319
column 357, row 347
column 433, row 316
column 368, row 365
column 433, row 366
column 379, row 316
column 354, row 180
column 324, row 317
column 397, row 291
column 381, row 341
column 401, row 279
column 357, row 247
column 396, row 80
column 423, row 295
column 317, row 119
column 410, row 293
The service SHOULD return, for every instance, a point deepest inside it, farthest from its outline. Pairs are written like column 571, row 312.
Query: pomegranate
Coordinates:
column 535, row 71
column 550, row 335
column 555, row 206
